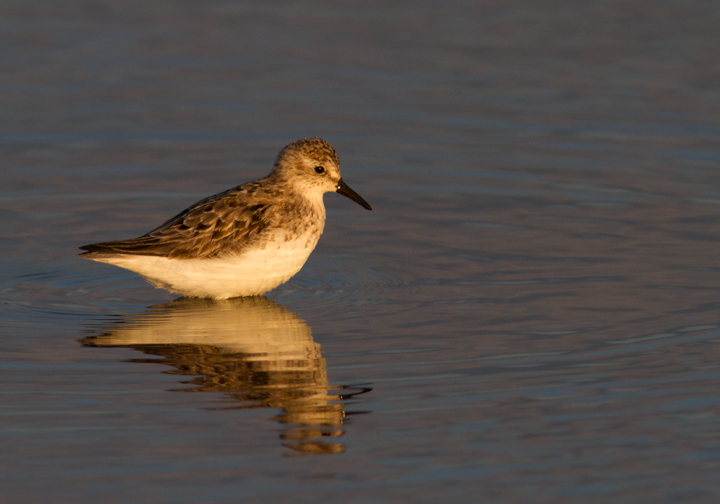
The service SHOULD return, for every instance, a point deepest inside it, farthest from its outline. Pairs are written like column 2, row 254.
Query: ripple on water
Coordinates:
column 42, row 298
column 47, row 296
column 51, row 296
column 337, row 288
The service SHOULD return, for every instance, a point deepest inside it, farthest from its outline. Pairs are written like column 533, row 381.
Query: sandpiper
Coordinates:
column 244, row 241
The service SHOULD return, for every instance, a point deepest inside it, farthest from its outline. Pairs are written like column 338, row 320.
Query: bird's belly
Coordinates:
column 250, row 273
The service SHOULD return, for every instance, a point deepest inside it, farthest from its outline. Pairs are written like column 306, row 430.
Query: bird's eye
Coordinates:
column 319, row 169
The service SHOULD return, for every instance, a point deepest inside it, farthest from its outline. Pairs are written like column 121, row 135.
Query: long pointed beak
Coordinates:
column 344, row 189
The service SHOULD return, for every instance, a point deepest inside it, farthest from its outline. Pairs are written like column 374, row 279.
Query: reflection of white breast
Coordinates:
column 255, row 327
column 251, row 273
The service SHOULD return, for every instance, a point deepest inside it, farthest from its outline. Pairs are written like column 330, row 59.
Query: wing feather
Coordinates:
column 219, row 225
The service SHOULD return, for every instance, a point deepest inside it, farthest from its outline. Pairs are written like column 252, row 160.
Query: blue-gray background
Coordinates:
column 533, row 299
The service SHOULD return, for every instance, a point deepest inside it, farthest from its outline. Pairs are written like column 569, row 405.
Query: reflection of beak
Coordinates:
column 344, row 189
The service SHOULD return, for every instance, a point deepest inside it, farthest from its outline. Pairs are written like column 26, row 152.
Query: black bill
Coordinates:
column 344, row 189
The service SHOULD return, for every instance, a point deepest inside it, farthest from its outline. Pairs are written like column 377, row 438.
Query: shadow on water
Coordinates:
column 256, row 352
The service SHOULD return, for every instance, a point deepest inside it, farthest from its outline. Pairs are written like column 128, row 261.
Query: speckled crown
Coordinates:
column 315, row 148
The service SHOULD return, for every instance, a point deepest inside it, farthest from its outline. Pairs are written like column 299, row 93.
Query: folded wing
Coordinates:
column 217, row 226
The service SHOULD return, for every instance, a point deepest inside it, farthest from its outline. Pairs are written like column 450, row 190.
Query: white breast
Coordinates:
column 250, row 273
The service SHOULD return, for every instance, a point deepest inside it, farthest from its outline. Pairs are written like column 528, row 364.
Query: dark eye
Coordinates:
column 319, row 169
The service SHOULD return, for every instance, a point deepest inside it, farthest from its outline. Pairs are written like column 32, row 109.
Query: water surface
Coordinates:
column 530, row 313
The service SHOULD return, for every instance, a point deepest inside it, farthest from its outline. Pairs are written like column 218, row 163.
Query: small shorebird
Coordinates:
column 244, row 241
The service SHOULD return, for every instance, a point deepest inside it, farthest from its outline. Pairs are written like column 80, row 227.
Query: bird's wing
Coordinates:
column 216, row 226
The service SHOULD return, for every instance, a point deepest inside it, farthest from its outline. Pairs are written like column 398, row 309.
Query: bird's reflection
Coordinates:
column 254, row 350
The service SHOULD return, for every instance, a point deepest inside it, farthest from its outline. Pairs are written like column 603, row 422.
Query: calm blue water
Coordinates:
column 530, row 313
